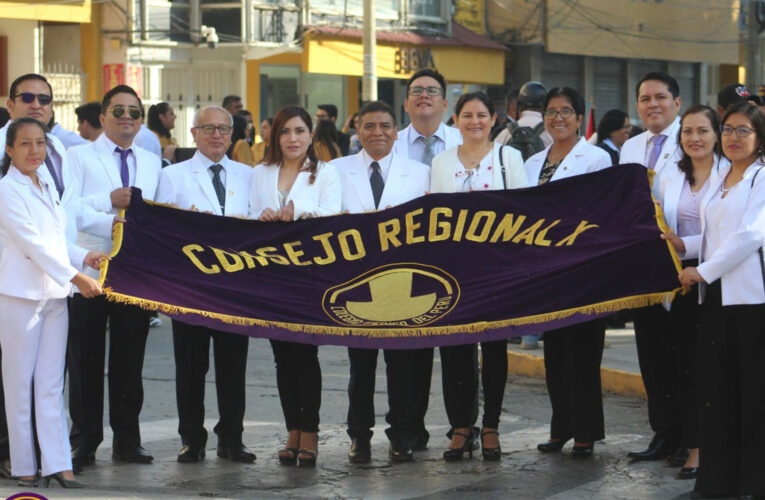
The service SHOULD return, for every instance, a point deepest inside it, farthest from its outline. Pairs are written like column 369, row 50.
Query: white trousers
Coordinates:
column 33, row 338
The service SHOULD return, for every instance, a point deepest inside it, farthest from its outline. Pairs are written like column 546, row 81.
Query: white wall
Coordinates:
column 23, row 48
column 61, row 46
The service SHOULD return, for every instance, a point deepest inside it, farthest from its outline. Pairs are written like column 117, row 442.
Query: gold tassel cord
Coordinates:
column 598, row 308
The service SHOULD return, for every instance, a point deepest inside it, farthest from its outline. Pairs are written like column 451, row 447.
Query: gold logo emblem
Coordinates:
column 403, row 294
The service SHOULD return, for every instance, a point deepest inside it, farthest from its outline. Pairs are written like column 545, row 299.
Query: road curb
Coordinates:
column 616, row 381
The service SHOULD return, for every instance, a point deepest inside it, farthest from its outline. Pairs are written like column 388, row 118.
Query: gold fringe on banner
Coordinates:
column 598, row 308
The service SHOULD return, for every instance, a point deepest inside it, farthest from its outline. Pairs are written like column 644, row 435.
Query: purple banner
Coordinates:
column 441, row 269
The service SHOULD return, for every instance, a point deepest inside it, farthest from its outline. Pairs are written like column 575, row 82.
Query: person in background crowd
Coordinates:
column 4, row 117
column 232, row 104
column 329, row 112
column 352, row 128
column 88, row 124
column 731, row 344
column 188, row 185
column 374, row 179
column 161, row 120
column 572, row 353
column 424, row 138
column 148, row 140
column 476, row 165
column 250, row 133
column 658, row 103
column 613, row 131
column 527, row 133
column 38, row 268
column 259, row 149
column 293, row 184
column 732, row 94
column 108, row 190
column 680, row 193
column 511, row 110
column 240, row 150
column 325, row 141
column 67, row 137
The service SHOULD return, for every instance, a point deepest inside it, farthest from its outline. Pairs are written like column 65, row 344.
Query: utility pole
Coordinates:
column 369, row 80
column 753, row 59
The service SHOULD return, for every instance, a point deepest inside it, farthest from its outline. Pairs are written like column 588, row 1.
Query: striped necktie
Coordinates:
column 427, row 156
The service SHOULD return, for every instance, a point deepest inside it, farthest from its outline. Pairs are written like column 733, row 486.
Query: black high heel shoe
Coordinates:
column 27, row 482
column 65, row 483
column 307, row 458
column 455, row 454
column 490, row 454
column 552, row 446
column 288, row 456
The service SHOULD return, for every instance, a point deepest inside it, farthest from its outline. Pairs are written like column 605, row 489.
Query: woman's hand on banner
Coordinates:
column 287, row 213
column 676, row 242
column 268, row 215
column 95, row 259
column 689, row 276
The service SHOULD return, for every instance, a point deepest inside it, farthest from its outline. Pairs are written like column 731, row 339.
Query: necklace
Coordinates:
column 471, row 161
column 558, row 158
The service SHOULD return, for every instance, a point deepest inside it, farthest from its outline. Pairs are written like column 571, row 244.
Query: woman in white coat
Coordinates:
column 36, row 276
column 292, row 184
column 731, row 345
column 572, row 353
column 476, row 165
column 680, row 192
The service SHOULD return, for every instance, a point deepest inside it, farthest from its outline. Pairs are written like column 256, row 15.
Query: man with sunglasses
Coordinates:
column 103, row 173
column 421, row 141
column 209, row 182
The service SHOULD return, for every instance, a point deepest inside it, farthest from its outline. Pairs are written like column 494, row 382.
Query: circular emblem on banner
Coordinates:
column 26, row 496
column 397, row 295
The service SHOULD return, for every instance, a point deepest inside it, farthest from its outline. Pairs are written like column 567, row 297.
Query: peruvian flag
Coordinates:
column 590, row 122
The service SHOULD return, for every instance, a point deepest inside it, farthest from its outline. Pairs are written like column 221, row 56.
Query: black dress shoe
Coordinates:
column 400, row 451
column 360, row 452
column 190, row 454
column 688, row 473
column 82, row 456
column 421, row 442
column 133, row 455
column 679, row 457
column 581, row 451
column 658, row 449
column 238, row 453
column 551, row 446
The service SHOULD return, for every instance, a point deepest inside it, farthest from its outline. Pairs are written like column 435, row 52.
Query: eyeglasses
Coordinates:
column 119, row 110
column 741, row 132
column 29, row 98
column 210, row 129
column 564, row 113
column 431, row 91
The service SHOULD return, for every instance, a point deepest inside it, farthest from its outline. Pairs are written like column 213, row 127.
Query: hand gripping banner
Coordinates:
column 442, row 269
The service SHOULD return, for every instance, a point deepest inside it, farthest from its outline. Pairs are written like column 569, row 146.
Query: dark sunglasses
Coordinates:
column 29, row 97
column 119, row 110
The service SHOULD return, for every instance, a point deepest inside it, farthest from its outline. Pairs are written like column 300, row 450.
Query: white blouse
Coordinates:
column 689, row 210
column 480, row 178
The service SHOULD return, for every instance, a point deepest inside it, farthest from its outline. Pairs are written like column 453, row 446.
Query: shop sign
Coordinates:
column 409, row 60
column 115, row 74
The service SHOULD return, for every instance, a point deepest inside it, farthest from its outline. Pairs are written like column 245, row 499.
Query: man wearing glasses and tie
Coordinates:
column 209, row 182
column 102, row 174
column 422, row 140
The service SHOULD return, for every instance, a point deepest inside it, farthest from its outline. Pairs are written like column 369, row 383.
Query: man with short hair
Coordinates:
column 232, row 104
column 67, row 137
column 511, row 110
column 103, row 173
column 88, row 122
column 658, row 105
column 526, row 133
column 329, row 112
column 209, row 182
column 374, row 179
column 732, row 94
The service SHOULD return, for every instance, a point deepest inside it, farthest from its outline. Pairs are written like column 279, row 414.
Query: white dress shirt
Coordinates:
column 118, row 158
column 383, row 162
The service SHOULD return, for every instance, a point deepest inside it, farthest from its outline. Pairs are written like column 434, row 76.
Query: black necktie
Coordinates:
column 220, row 190
column 56, row 180
column 377, row 182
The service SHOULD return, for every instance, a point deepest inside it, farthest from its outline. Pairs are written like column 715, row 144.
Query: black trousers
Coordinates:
column 421, row 378
column 658, row 368
column 400, row 371
column 128, row 330
column 685, row 324
column 731, row 357
column 572, row 371
column 191, row 345
column 459, row 366
column 298, row 378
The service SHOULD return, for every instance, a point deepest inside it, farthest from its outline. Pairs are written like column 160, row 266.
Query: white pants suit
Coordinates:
column 33, row 339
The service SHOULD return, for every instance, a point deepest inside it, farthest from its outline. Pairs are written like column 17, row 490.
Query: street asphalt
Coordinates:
column 523, row 473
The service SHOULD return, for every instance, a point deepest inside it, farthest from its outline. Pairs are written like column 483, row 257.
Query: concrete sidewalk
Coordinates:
column 619, row 370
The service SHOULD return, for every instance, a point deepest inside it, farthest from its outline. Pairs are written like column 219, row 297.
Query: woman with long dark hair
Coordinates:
column 476, row 165
column 293, row 184
column 325, row 141
column 37, row 269
column 681, row 190
column 731, row 344
column 161, row 120
column 572, row 353
column 240, row 149
column 259, row 149
column 613, row 131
